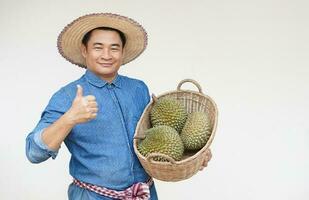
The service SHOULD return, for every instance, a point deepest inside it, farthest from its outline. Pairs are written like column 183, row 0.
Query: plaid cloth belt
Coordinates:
column 138, row 191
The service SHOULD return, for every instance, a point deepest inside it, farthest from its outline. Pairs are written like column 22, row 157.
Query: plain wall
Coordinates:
column 251, row 57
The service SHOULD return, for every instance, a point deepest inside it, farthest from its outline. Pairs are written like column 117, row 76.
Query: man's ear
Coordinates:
column 84, row 50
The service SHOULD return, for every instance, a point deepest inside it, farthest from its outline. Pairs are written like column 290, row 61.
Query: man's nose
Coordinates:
column 106, row 55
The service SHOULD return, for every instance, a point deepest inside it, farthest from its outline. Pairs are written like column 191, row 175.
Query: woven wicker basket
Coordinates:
column 191, row 161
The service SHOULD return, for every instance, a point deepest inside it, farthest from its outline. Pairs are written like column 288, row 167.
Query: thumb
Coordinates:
column 79, row 92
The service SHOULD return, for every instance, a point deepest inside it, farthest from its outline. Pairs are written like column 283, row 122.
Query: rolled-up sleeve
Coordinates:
column 36, row 150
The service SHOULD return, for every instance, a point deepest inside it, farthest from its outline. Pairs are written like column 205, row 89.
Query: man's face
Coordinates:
column 103, row 53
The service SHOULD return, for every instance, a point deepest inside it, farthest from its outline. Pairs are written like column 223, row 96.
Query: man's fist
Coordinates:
column 83, row 109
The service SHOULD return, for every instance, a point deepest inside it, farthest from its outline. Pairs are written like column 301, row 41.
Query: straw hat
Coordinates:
column 70, row 39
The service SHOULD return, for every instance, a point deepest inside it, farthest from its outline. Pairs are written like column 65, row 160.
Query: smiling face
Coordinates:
column 103, row 54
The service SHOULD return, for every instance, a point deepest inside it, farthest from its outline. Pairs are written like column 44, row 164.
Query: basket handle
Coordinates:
column 151, row 156
column 191, row 81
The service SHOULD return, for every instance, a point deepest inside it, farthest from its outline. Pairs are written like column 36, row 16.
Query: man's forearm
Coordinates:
column 55, row 134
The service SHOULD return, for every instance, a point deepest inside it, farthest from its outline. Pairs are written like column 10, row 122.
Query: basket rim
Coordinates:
column 195, row 155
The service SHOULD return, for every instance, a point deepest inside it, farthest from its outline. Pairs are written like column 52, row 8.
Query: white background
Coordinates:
column 251, row 57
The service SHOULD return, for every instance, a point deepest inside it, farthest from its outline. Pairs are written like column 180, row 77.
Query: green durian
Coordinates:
column 162, row 139
column 170, row 112
column 196, row 131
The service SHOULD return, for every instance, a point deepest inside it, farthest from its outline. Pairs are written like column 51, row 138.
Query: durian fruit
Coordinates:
column 196, row 131
column 170, row 112
column 162, row 139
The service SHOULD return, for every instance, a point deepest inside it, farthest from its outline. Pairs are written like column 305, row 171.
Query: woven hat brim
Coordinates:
column 70, row 39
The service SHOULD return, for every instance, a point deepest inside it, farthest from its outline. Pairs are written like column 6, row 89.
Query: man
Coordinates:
column 96, row 115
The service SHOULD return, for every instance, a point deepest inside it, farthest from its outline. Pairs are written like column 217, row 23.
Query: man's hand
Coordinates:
column 207, row 157
column 83, row 109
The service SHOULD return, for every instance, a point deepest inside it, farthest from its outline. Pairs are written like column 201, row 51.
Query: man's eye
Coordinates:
column 97, row 48
column 115, row 49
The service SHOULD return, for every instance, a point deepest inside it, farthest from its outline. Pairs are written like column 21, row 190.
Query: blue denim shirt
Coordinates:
column 102, row 149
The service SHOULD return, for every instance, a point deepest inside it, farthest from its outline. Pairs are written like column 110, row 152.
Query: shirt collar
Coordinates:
column 97, row 81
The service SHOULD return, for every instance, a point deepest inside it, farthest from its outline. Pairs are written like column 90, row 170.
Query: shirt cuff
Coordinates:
column 38, row 141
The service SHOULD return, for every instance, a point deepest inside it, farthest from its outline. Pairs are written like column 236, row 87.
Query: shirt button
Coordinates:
column 110, row 86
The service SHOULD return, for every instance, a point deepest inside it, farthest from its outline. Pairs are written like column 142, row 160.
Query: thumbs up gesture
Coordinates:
column 84, row 108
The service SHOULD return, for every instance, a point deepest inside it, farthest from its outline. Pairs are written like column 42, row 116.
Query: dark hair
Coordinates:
column 87, row 36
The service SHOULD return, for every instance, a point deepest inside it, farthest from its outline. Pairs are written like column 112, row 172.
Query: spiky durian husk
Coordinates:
column 196, row 131
column 170, row 112
column 162, row 139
